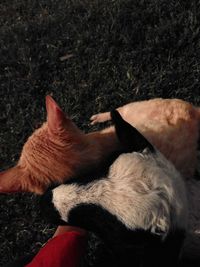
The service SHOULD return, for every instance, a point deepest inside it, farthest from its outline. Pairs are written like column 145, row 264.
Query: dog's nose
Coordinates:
column 48, row 210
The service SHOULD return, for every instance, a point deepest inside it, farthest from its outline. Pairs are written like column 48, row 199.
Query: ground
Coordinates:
column 91, row 56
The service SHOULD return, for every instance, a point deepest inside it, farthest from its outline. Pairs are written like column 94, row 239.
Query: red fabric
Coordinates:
column 64, row 250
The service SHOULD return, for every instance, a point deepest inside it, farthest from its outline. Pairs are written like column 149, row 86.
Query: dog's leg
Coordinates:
column 100, row 117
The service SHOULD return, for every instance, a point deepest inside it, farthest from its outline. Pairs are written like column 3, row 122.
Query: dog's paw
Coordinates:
column 101, row 117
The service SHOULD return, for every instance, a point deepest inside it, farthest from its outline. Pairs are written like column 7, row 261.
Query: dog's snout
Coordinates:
column 48, row 210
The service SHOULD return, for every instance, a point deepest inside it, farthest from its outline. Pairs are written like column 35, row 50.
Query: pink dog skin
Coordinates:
column 59, row 150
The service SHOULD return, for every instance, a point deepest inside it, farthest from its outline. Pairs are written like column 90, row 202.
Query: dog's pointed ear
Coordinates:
column 56, row 118
column 130, row 137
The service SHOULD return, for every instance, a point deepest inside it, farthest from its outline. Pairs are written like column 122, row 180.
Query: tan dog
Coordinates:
column 172, row 125
column 59, row 150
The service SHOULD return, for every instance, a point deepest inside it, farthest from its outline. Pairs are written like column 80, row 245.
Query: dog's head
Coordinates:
column 50, row 154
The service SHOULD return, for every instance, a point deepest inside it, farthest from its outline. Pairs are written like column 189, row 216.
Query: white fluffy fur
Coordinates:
column 143, row 190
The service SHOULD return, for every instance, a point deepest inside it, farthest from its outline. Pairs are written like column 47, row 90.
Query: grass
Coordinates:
column 91, row 56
